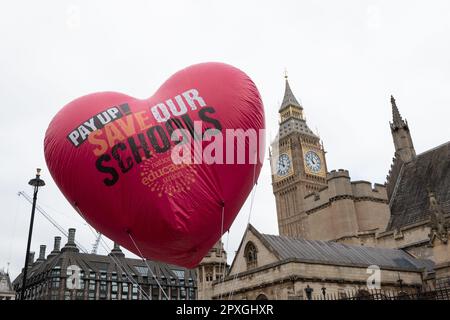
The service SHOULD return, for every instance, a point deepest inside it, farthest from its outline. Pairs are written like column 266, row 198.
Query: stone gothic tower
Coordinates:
column 404, row 147
column 298, row 163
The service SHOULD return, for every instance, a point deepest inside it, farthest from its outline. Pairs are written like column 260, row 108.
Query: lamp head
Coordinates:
column 37, row 182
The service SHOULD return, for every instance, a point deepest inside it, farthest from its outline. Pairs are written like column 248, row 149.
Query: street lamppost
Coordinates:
column 36, row 183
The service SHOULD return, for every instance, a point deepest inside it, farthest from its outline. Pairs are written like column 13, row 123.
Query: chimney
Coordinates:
column 71, row 239
column 30, row 259
column 41, row 253
column 70, row 245
column 56, row 247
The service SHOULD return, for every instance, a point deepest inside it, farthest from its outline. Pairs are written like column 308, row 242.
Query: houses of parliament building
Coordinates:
column 332, row 230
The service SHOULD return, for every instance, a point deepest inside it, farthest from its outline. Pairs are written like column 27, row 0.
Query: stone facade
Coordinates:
column 293, row 176
column 345, row 208
column 441, row 256
column 275, row 277
column 397, row 214
column 311, row 202
column 409, row 214
column 213, row 267
column 419, row 206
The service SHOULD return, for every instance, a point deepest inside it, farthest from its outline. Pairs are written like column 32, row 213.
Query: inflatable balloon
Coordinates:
column 166, row 176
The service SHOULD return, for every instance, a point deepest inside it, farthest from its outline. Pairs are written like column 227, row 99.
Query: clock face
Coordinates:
column 312, row 161
column 283, row 164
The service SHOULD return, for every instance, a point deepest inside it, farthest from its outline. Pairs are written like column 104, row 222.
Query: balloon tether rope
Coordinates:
column 255, row 184
column 225, row 267
column 143, row 259
column 117, row 262
column 121, row 266
column 123, row 270
column 221, row 246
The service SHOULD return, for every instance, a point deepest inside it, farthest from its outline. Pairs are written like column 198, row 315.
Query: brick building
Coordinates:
column 67, row 274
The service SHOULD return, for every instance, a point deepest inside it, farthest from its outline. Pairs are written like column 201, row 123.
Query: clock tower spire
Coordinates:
column 298, row 165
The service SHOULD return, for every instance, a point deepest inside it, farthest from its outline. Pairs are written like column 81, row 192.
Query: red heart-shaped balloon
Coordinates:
column 112, row 156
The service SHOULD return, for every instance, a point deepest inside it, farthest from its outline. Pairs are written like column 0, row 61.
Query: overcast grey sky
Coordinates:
column 344, row 59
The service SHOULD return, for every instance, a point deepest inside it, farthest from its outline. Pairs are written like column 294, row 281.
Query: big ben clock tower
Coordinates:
column 298, row 165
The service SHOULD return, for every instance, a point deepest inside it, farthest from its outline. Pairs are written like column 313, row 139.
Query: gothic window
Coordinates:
column 251, row 255
column 262, row 296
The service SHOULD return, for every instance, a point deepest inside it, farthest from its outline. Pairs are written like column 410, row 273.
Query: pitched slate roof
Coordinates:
column 330, row 252
column 429, row 171
column 294, row 125
column 289, row 98
column 114, row 262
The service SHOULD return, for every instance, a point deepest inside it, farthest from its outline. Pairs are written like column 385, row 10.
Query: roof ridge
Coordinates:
column 337, row 253
column 397, row 183
column 433, row 149
column 332, row 242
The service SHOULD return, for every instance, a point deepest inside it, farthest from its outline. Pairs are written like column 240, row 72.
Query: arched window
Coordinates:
column 262, row 296
column 251, row 255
